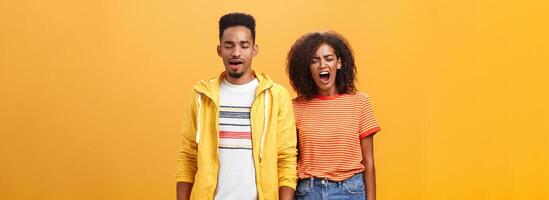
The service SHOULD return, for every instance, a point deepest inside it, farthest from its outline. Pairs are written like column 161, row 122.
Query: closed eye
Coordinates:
column 245, row 44
column 228, row 44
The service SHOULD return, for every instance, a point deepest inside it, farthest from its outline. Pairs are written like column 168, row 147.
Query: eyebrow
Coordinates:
column 241, row 42
column 329, row 55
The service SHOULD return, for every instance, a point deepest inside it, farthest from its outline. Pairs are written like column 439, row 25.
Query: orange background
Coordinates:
column 92, row 92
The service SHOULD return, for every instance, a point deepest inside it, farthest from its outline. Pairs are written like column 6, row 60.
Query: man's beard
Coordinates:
column 235, row 74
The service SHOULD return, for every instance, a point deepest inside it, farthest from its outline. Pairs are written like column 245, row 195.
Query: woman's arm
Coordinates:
column 367, row 145
column 184, row 190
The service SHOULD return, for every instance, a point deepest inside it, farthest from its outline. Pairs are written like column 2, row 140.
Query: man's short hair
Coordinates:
column 237, row 19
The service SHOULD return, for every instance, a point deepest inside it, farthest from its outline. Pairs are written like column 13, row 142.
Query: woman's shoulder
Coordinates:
column 299, row 100
column 361, row 96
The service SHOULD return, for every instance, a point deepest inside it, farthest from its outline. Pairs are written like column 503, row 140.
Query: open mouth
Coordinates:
column 325, row 76
column 235, row 62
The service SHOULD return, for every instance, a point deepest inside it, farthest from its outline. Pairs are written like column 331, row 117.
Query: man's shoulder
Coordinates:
column 279, row 90
column 206, row 84
column 277, row 86
column 207, row 81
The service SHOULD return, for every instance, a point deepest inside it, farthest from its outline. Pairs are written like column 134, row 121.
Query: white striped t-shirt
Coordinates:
column 236, row 165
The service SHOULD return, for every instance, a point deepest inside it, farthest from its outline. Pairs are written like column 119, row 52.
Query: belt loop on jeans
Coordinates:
column 311, row 182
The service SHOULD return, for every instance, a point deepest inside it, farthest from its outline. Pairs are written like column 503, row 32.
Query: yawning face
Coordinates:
column 237, row 50
column 324, row 66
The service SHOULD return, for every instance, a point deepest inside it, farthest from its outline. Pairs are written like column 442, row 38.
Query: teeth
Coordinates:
column 324, row 73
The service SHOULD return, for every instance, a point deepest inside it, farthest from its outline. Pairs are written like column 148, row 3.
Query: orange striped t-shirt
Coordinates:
column 329, row 132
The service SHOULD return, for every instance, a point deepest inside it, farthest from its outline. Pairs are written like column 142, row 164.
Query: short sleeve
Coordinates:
column 367, row 122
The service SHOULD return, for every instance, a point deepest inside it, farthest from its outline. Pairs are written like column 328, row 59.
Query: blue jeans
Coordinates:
column 324, row 189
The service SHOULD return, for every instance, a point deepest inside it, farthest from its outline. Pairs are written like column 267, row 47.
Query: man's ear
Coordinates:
column 218, row 50
column 256, row 49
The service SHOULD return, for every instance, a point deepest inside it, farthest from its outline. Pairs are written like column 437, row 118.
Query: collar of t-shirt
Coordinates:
column 244, row 87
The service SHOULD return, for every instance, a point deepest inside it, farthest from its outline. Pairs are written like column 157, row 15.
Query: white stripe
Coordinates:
column 235, row 128
column 266, row 111
column 234, row 142
column 199, row 98
column 234, row 121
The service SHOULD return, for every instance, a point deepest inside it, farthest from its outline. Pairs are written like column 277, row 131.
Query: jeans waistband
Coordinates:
column 326, row 181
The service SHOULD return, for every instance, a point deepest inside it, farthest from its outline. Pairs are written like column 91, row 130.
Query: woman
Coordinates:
column 335, row 122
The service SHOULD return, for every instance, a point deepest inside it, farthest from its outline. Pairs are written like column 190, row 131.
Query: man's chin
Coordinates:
column 235, row 74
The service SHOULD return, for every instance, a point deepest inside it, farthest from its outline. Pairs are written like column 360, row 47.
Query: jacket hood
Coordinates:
column 210, row 87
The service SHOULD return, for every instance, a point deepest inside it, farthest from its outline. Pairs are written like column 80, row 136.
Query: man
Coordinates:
column 239, row 139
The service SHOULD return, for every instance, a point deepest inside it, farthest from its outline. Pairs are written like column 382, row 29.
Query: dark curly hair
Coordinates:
column 237, row 19
column 299, row 59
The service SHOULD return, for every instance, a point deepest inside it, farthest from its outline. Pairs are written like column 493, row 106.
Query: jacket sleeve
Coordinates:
column 287, row 141
column 186, row 161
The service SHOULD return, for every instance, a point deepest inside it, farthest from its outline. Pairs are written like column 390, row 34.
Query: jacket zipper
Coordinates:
column 251, row 131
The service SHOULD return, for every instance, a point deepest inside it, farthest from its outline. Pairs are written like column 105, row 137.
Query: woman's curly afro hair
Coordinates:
column 301, row 54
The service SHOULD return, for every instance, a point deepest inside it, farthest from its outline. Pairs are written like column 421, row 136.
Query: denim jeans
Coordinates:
column 324, row 189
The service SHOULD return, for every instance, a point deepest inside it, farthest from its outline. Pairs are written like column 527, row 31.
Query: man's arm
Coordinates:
column 186, row 161
column 367, row 145
column 184, row 190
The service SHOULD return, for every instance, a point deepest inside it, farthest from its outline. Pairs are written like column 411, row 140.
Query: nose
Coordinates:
column 236, row 52
column 322, row 63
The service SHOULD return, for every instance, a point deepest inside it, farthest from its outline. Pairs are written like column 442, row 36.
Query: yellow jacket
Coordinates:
column 273, row 139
